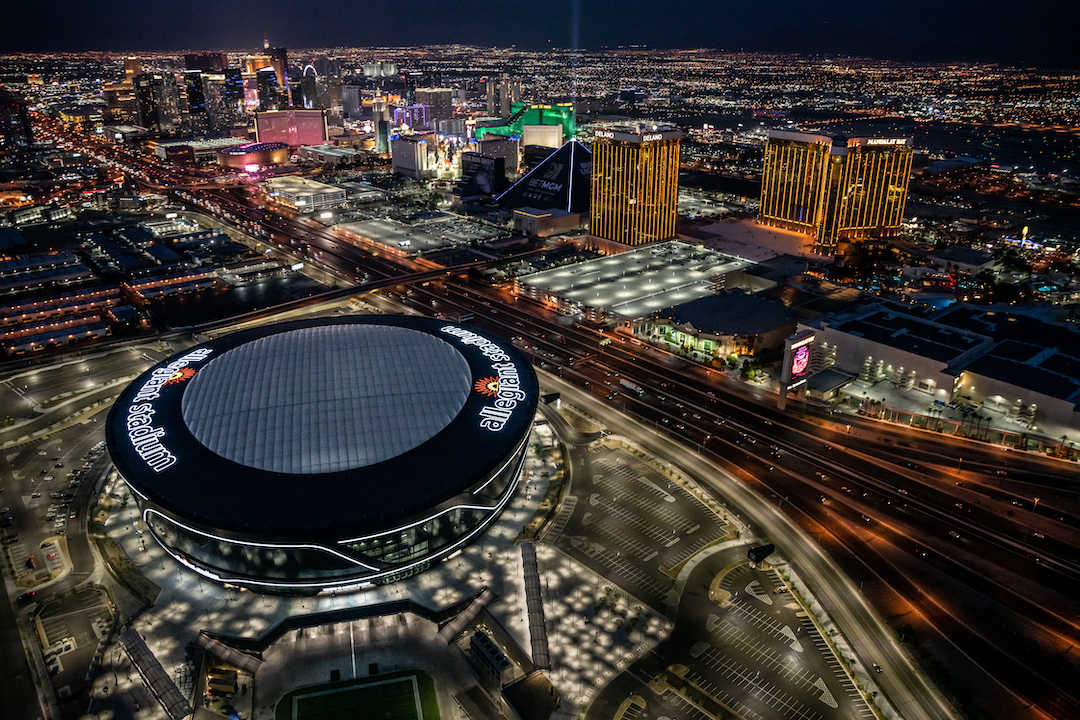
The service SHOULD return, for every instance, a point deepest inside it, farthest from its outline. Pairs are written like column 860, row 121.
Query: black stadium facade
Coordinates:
column 324, row 454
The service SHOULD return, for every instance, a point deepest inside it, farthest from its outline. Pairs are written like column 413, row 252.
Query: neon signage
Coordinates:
column 505, row 386
column 800, row 361
column 145, row 437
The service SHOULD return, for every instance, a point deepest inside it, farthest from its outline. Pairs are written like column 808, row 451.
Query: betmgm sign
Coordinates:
column 796, row 367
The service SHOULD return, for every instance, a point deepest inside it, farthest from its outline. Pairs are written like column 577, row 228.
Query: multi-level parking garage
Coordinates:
column 325, row 454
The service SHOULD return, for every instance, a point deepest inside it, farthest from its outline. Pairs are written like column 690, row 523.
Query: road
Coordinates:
column 882, row 509
column 863, row 628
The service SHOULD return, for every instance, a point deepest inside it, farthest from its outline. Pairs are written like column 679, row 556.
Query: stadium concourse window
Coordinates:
column 410, row 543
column 223, row 557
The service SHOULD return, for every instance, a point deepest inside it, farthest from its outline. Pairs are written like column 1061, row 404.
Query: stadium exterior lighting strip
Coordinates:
column 326, row 586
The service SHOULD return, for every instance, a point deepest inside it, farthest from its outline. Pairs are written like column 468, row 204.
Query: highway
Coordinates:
column 882, row 519
column 945, row 533
column 840, row 598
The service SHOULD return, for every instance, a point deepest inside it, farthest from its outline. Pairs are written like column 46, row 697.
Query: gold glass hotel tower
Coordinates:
column 835, row 189
column 635, row 183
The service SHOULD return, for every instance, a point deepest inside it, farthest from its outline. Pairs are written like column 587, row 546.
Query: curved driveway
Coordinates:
column 907, row 689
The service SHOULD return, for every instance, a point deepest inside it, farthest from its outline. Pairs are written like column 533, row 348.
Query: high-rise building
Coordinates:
column 132, row 67
column 440, row 100
column 835, row 189
column 257, row 61
column 329, row 97
column 380, row 69
column 206, row 61
column 382, row 136
column 279, row 60
column 525, row 114
column 635, row 183
column 415, row 116
column 502, row 92
column 119, row 101
column 292, row 127
column 15, row 129
column 268, row 89
column 198, row 116
column 327, row 66
column 416, row 79
column 225, row 99
column 508, row 148
column 309, row 92
column 352, row 102
column 547, row 135
column 411, row 156
column 157, row 101
column 380, row 109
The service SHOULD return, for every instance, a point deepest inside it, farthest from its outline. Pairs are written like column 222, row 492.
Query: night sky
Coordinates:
column 1041, row 33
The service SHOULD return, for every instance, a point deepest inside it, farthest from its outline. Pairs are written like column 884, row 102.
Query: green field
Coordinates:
column 407, row 695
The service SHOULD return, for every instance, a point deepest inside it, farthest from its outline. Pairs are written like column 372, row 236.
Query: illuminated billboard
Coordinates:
column 800, row 362
column 291, row 127
column 797, row 355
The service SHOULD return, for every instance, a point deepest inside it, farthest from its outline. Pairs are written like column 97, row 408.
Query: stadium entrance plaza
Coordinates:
column 596, row 629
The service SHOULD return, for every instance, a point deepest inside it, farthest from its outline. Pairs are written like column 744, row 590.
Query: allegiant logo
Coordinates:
column 504, row 386
column 145, row 437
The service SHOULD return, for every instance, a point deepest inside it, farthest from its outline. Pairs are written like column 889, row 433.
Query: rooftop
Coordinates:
column 964, row 255
column 403, row 238
column 208, row 143
column 326, row 399
column 330, row 427
column 733, row 314
column 640, row 281
column 1030, row 353
column 300, row 185
column 882, row 324
column 747, row 238
column 338, row 150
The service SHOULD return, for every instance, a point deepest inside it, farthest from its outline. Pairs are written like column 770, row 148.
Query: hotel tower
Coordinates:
column 835, row 189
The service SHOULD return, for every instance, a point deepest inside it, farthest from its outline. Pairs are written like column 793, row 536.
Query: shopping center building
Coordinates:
column 325, row 454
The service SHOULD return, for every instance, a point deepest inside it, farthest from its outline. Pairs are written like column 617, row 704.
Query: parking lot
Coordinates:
column 747, row 645
column 43, row 498
column 631, row 523
column 70, row 627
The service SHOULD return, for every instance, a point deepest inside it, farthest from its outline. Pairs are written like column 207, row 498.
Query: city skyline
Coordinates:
column 962, row 32
column 755, row 394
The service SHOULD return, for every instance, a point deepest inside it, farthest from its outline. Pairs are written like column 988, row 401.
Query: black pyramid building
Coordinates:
column 559, row 182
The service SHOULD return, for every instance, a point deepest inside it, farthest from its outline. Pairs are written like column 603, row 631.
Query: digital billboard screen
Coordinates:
column 800, row 361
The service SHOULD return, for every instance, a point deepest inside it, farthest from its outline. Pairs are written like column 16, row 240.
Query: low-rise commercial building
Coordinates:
column 716, row 326
column 545, row 223
column 304, row 195
column 1020, row 366
column 332, row 155
column 198, row 151
column 633, row 284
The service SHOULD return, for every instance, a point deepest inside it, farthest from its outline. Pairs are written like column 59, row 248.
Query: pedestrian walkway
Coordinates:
column 189, row 603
